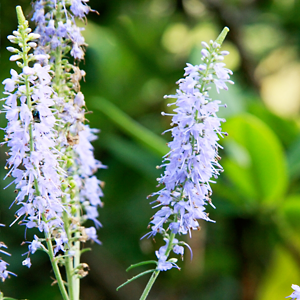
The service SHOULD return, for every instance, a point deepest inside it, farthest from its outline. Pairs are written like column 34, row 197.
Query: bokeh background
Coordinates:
column 137, row 51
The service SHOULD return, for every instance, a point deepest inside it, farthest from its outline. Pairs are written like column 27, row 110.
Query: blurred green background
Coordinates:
column 137, row 51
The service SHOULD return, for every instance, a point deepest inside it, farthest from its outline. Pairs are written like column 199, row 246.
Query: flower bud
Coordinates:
column 12, row 49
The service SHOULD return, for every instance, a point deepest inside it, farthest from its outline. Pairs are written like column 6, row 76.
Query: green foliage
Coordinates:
column 137, row 51
column 256, row 163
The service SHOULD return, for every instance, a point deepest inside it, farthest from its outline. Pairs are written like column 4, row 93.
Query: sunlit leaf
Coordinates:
column 293, row 158
column 264, row 175
column 281, row 273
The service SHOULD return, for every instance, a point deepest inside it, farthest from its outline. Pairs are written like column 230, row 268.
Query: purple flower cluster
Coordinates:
column 55, row 22
column 193, row 159
column 59, row 29
column 4, row 273
column 83, row 165
column 50, row 153
column 30, row 135
column 88, row 184
column 296, row 293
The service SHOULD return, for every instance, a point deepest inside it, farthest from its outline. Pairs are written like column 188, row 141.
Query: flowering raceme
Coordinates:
column 60, row 36
column 193, row 159
column 31, row 138
column 50, row 153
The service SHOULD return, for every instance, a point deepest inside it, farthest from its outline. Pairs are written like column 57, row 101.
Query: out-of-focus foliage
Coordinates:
column 137, row 51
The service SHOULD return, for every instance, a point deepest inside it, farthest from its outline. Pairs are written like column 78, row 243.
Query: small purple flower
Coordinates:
column 4, row 273
column 3, row 270
column 296, row 293
column 34, row 245
column 91, row 233
column 27, row 262
column 79, row 8
column 163, row 264
column 10, row 83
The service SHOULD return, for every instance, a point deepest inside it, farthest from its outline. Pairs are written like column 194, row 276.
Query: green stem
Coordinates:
column 68, row 259
column 55, row 268
column 149, row 284
column 156, row 272
column 71, row 263
column 76, row 279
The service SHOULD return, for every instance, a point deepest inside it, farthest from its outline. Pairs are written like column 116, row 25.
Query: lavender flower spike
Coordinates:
column 193, row 160
column 30, row 135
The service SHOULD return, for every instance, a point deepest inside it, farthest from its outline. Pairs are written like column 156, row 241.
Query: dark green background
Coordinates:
column 137, row 51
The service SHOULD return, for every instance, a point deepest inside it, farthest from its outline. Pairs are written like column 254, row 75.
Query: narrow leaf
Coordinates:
column 135, row 277
column 141, row 264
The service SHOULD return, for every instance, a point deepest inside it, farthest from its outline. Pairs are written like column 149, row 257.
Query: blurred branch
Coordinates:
column 143, row 135
column 234, row 20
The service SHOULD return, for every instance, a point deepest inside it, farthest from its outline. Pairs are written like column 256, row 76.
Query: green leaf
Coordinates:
column 286, row 129
column 293, row 158
column 291, row 210
column 256, row 164
column 141, row 264
column 135, row 277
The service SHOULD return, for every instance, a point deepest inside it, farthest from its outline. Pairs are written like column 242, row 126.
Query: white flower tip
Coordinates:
column 15, row 57
column 32, row 45
column 216, row 45
column 16, row 33
column 205, row 45
column 12, row 49
column 41, row 57
column 12, row 38
column 33, row 36
column 204, row 52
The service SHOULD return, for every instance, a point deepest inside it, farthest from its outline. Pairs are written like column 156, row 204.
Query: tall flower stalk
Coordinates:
column 193, row 159
column 50, row 152
column 61, row 38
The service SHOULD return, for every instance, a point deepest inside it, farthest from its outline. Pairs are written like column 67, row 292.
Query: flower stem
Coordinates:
column 68, row 259
column 56, row 269
column 71, row 262
column 149, row 284
column 156, row 272
column 76, row 279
